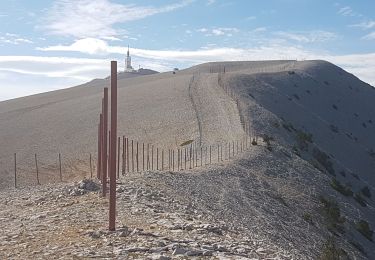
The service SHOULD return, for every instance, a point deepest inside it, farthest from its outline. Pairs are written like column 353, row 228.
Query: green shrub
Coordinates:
column 289, row 127
column 307, row 217
column 344, row 190
column 363, row 227
column 332, row 214
column 330, row 251
column 324, row 160
column 366, row 191
column 360, row 199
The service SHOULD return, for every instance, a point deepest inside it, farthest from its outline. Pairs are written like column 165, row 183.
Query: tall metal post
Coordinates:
column 105, row 143
column 112, row 188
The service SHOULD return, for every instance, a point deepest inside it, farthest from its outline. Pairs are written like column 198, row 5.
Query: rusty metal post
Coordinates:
column 127, row 154
column 37, row 170
column 136, row 155
column 205, row 160
column 60, row 167
column 123, row 155
column 148, row 156
column 105, row 143
column 185, row 159
column 173, row 159
column 118, row 157
column 132, row 156
column 99, row 160
column 178, row 160
column 218, row 153
column 157, row 158
column 112, row 191
column 15, row 170
column 201, row 157
column 191, row 147
column 210, row 154
column 143, row 156
column 152, row 157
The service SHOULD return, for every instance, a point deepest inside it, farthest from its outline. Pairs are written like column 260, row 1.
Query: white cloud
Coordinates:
column 59, row 72
column 210, row 2
column 87, row 45
column 86, row 18
column 259, row 29
column 308, row 37
column 15, row 39
column 346, row 11
column 370, row 36
column 249, row 18
column 221, row 31
column 365, row 25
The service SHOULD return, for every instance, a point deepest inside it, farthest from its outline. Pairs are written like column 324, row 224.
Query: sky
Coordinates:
column 49, row 45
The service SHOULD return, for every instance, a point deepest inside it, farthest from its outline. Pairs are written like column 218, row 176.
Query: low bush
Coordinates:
column 344, row 190
column 332, row 215
column 324, row 160
column 360, row 200
column 366, row 191
column 330, row 251
column 363, row 227
column 307, row 217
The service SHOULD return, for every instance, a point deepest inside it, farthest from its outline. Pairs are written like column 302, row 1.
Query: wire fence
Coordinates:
column 134, row 156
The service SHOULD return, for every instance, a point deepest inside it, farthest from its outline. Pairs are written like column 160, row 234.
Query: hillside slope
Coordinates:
column 311, row 178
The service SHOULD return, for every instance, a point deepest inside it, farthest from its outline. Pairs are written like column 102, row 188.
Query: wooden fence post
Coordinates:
column 152, row 157
column 210, row 154
column 60, row 167
column 148, row 156
column 137, row 158
column 157, row 158
column 118, row 157
column 143, row 156
column 37, row 170
column 15, row 170
column 132, row 157
column 90, row 167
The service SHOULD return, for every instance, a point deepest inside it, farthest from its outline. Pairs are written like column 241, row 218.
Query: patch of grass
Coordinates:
column 307, row 217
column 332, row 215
column 267, row 139
column 296, row 151
column 344, row 190
column 363, row 227
column 330, row 251
column 324, row 160
column 360, row 199
column 187, row 142
column 289, row 127
column 303, row 140
column 366, row 191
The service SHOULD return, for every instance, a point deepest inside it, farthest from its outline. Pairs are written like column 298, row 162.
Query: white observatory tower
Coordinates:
column 128, row 62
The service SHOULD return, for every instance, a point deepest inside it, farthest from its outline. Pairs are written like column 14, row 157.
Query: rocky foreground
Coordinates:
column 69, row 221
